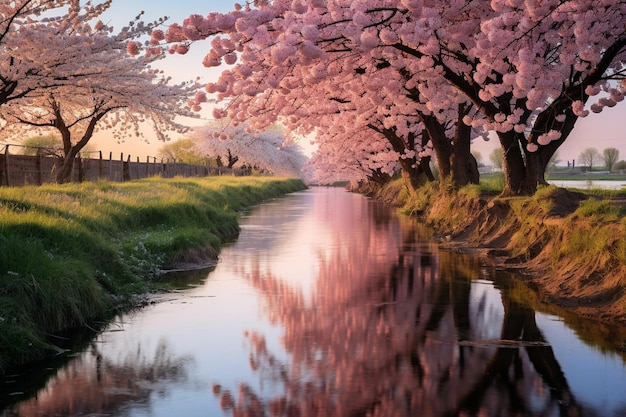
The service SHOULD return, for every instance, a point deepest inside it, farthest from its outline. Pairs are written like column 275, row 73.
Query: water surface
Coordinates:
column 329, row 304
column 590, row 183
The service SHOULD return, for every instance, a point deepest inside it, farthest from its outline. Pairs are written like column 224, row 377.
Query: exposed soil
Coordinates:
column 593, row 286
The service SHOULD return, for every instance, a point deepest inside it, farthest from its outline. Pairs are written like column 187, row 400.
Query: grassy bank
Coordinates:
column 568, row 246
column 72, row 254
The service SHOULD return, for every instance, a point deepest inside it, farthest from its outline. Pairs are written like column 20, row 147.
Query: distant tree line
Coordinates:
column 609, row 157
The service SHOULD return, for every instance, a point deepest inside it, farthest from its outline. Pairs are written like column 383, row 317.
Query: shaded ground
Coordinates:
column 619, row 201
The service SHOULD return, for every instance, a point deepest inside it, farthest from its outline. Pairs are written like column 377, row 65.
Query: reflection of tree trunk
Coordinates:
column 519, row 324
column 441, row 303
column 451, row 291
column 544, row 360
column 512, row 329
column 460, row 307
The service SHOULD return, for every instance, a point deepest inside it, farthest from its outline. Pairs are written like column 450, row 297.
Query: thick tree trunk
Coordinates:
column 64, row 174
column 513, row 166
column 416, row 174
column 441, row 145
column 536, row 166
column 464, row 165
column 425, row 166
column 454, row 159
column 464, row 169
column 537, row 162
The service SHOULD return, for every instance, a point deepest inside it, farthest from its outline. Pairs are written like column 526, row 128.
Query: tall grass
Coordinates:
column 74, row 253
column 492, row 183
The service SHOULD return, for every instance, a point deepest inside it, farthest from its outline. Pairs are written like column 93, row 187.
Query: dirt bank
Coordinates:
column 571, row 250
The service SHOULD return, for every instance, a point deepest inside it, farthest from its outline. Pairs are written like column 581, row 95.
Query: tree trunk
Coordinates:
column 378, row 177
column 64, row 175
column 232, row 160
column 464, row 169
column 414, row 173
column 513, row 166
column 464, row 165
column 454, row 159
column 537, row 162
column 441, row 144
column 536, row 165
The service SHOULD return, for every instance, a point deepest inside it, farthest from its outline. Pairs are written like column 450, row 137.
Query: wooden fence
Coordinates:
column 18, row 169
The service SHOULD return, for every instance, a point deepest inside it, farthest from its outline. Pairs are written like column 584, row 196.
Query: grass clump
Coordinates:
column 598, row 208
column 71, row 254
column 492, row 183
column 418, row 202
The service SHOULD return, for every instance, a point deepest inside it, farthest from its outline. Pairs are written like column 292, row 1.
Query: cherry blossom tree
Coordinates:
column 528, row 67
column 15, row 13
column 356, row 142
column 19, row 17
column 308, row 91
column 86, row 81
column 269, row 151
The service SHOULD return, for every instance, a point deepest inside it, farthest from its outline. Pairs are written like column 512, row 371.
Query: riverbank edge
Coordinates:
column 25, row 339
column 568, row 247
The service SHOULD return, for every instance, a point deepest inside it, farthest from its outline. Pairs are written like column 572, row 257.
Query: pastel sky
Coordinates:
column 607, row 129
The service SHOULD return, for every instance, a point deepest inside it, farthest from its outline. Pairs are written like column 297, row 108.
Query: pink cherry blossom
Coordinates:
column 532, row 147
column 132, row 48
column 111, row 86
column 522, row 65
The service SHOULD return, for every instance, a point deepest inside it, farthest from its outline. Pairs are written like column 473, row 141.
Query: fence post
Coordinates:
column 39, row 166
column 81, row 169
column 126, row 168
column 100, row 166
column 110, row 175
column 7, row 170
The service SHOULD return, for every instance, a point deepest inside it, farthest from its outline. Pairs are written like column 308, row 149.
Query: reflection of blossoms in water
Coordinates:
column 388, row 331
column 96, row 384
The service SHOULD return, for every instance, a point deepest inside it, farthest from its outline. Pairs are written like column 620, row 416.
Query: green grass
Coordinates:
column 71, row 254
column 595, row 207
column 492, row 183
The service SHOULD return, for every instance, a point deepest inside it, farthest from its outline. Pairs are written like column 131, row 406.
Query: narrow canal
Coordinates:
column 331, row 305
